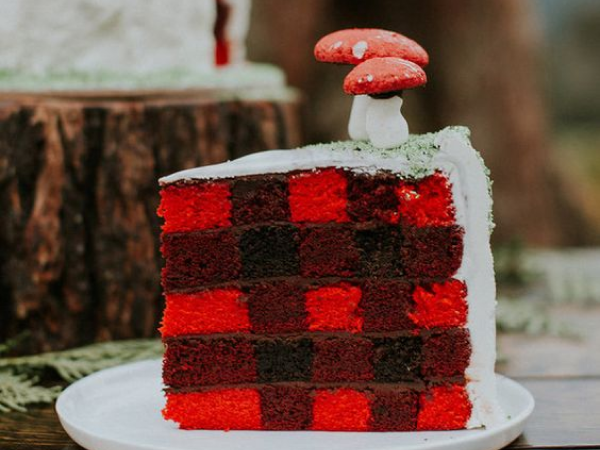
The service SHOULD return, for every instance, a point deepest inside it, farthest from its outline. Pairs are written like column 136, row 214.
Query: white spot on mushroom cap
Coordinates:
column 366, row 79
column 337, row 45
column 359, row 49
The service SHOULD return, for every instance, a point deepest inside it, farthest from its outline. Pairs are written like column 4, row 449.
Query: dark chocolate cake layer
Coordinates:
column 200, row 258
column 204, row 361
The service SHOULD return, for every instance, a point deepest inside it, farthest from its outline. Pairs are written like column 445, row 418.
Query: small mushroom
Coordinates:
column 384, row 79
column 356, row 45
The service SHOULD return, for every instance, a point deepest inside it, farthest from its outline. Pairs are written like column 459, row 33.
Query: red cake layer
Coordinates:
column 298, row 305
column 197, row 206
column 318, row 196
column 226, row 409
column 317, row 357
column 305, row 407
column 444, row 408
column 427, row 202
column 341, row 409
column 213, row 311
column 334, row 307
column 440, row 305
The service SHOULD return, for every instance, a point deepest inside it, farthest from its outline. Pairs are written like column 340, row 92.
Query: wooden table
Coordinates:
column 563, row 375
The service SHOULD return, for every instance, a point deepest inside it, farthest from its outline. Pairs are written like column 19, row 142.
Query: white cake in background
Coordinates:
column 123, row 36
column 63, row 44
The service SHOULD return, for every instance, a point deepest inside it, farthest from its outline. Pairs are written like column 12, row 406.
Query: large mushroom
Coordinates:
column 384, row 79
column 356, row 45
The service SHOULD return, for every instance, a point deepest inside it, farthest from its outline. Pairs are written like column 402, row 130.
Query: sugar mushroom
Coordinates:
column 356, row 45
column 384, row 79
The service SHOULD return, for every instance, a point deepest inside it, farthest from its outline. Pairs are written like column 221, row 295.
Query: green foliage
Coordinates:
column 19, row 390
column 23, row 379
column 510, row 263
column 523, row 288
column 518, row 315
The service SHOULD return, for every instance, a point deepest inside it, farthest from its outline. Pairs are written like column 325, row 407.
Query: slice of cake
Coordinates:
column 340, row 286
column 333, row 287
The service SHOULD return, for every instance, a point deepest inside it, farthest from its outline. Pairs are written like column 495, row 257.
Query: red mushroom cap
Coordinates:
column 355, row 45
column 383, row 75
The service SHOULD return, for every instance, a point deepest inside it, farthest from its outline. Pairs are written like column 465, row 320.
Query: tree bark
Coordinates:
column 79, row 235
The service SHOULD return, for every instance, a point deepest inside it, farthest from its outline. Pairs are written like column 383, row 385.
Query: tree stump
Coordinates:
column 79, row 235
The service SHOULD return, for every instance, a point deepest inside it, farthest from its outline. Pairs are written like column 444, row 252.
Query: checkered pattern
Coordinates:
column 318, row 299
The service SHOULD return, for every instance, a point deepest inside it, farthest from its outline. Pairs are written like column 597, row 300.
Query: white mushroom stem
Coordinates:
column 385, row 126
column 357, row 126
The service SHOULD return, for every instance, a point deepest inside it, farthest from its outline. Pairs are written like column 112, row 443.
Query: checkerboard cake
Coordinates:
column 332, row 287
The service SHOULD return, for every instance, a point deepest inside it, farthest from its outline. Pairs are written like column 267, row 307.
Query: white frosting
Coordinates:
column 357, row 125
column 282, row 161
column 385, row 125
column 131, row 36
column 460, row 162
column 473, row 206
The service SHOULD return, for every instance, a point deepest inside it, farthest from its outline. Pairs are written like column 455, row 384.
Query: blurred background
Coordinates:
column 524, row 75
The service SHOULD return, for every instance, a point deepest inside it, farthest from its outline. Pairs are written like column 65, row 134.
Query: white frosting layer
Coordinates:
column 451, row 153
column 473, row 206
column 122, row 36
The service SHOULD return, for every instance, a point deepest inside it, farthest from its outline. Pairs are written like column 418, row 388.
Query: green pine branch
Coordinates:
column 21, row 377
column 19, row 391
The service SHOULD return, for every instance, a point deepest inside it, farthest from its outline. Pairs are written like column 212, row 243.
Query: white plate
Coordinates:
column 119, row 409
